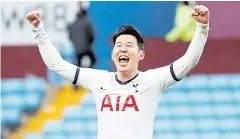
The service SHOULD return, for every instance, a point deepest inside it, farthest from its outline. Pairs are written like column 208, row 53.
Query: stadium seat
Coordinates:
column 92, row 127
column 202, row 111
column 163, row 111
column 176, row 98
column 71, row 113
column 88, row 108
column 221, row 96
column 197, row 82
column 180, row 112
column 10, row 116
column 185, row 125
column 165, row 136
column 32, row 101
column 13, row 101
column 80, row 136
column 75, row 127
column 235, row 81
column 55, row 136
column 12, row 86
column 199, row 97
column 52, row 128
column 191, row 135
column 236, row 96
column 36, row 85
column 218, row 81
column 206, row 124
column 81, row 120
column 210, row 135
column 34, row 136
column 163, row 125
column 230, row 135
column 224, row 110
column 229, row 124
column 90, row 113
column 88, row 101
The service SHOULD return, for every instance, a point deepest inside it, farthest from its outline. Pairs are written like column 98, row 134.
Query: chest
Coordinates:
column 134, row 97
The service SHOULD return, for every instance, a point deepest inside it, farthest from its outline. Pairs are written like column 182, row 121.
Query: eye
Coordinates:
column 118, row 45
column 129, row 45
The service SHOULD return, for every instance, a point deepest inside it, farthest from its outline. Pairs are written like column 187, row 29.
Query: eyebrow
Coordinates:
column 130, row 42
column 122, row 43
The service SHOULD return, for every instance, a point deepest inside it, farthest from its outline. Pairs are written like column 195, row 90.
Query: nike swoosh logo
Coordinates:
column 103, row 88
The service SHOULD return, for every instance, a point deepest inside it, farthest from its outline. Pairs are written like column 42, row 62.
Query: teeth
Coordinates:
column 123, row 57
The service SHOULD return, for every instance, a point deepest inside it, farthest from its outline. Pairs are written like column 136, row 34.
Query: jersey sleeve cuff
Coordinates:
column 203, row 27
column 173, row 74
column 76, row 76
column 35, row 28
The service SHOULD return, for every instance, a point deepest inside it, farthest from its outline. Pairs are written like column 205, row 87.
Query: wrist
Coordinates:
column 39, row 26
column 204, row 28
column 202, row 25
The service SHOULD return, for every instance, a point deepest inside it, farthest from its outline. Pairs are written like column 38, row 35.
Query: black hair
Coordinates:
column 130, row 30
column 186, row 3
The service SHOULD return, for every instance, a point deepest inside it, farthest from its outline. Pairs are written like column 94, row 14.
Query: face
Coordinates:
column 126, row 53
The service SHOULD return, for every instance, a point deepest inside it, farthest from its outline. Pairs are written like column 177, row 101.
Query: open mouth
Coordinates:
column 123, row 59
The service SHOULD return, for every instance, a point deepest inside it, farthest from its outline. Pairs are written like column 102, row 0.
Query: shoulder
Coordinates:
column 145, row 76
column 157, row 71
column 90, row 78
column 94, row 72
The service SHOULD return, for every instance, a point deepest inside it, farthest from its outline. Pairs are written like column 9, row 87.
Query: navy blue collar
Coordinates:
column 128, row 81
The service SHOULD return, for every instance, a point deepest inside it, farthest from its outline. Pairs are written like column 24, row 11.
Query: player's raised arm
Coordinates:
column 191, row 58
column 174, row 72
column 49, row 54
column 85, row 77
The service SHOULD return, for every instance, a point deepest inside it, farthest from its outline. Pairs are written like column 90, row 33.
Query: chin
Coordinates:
column 123, row 69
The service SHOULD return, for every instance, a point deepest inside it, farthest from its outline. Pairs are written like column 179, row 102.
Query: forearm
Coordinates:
column 191, row 58
column 51, row 56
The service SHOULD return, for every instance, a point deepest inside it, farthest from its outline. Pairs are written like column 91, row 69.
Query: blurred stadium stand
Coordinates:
column 205, row 105
column 19, row 96
column 199, row 107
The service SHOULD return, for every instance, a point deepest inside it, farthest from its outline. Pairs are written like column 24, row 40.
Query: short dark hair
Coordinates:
column 186, row 3
column 130, row 30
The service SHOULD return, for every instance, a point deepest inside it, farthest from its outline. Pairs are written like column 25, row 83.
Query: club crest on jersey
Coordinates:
column 128, row 103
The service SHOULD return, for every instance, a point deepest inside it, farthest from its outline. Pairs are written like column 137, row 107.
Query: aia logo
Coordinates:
column 128, row 103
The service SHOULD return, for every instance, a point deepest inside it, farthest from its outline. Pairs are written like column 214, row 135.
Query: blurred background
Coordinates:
column 38, row 104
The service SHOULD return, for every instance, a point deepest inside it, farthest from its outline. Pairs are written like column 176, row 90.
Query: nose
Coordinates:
column 123, row 49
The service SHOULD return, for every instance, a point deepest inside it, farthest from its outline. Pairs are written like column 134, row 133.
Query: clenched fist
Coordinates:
column 201, row 14
column 34, row 18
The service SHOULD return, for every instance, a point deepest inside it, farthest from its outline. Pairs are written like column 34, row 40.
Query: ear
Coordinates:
column 141, row 55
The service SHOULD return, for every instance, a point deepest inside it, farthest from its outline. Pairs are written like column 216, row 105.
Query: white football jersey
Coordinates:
column 125, row 110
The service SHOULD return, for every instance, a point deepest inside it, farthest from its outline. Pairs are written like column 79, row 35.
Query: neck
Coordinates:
column 125, row 76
